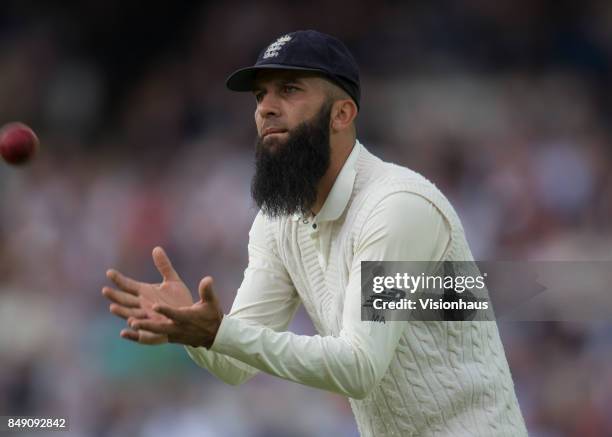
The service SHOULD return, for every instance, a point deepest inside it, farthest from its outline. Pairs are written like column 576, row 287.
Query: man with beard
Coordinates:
column 327, row 204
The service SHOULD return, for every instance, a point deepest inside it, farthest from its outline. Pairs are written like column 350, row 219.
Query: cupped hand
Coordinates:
column 195, row 325
column 134, row 300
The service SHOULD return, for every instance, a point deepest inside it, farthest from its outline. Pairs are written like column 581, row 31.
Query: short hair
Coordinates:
column 333, row 91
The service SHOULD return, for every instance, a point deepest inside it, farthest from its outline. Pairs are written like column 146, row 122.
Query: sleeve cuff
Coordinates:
column 195, row 353
column 223, row 339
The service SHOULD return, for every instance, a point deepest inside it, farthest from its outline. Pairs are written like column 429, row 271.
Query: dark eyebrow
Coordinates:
column 296, row 80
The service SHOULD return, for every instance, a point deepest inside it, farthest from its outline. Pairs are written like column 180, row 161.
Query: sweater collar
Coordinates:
column 340, row 194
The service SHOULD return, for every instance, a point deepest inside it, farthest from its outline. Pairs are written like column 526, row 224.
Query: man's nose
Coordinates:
column 268, row 106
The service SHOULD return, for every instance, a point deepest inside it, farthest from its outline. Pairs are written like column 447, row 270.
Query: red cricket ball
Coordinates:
column 18, row 143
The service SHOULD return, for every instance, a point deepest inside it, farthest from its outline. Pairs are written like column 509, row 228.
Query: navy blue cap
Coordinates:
column 305, row 50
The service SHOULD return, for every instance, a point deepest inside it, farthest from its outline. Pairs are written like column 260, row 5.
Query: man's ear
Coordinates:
column 343, row 113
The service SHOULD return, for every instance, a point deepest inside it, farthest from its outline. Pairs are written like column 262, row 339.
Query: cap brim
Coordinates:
column 244, row 79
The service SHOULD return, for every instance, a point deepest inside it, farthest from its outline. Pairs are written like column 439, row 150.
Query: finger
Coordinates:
column 120, row 297
column 150, row 338
column 206, row 290
column 143, row 337
column 163, row 264
column 176, row 314
column 127, row 313
column 155, row 317
column 128, row 285
column 129, row 334
column 152, row 326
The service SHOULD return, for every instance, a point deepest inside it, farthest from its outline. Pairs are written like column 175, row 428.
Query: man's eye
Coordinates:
column 289, row 89
column 258, row 97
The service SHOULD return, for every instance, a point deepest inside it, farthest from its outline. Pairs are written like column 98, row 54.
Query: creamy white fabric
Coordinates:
column 375, row 211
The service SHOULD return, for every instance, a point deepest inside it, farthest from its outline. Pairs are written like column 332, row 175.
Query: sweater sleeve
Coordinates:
column 266, row 297
column 403, row 227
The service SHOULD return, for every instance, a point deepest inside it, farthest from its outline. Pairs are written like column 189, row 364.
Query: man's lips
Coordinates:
column 271, row 130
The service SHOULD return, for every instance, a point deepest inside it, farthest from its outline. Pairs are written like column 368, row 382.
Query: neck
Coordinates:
column 340, row 150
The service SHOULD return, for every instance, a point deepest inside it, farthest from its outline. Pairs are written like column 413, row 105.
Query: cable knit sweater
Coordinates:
column 402, row 378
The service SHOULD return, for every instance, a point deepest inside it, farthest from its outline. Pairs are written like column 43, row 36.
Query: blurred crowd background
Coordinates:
column 505, row 105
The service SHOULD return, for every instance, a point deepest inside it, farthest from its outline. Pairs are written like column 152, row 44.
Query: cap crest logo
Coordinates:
column 273, row 49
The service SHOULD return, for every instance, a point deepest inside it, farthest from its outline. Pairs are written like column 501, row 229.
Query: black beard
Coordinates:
column 287, row 174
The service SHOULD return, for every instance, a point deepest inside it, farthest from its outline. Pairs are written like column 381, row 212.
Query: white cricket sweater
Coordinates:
column 402, row 378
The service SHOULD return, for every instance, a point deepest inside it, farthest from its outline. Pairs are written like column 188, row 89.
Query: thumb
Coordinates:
column 163, row 264
column 206, row 291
